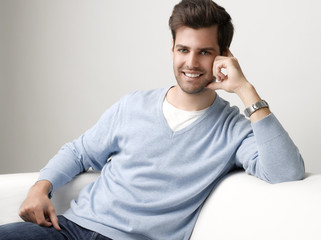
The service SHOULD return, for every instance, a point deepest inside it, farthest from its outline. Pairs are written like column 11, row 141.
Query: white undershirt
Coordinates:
column 178, row 119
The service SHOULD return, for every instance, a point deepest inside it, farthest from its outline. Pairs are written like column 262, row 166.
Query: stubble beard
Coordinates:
column 191, row 89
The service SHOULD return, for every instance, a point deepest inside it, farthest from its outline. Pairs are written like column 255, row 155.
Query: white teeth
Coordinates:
column 192, row 75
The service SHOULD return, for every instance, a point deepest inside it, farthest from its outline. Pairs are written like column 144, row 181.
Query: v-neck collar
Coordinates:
column 163, row 120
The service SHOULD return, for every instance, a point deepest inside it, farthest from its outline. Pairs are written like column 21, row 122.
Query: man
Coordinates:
column 169, row 147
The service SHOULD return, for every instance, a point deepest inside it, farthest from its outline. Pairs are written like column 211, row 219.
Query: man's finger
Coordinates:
column 54, row 220
column 217, row 70
column 40, row 219
column 215, row 85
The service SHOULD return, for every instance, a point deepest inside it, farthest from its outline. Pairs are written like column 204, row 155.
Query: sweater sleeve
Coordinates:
column 269, row 153
column 91, row 149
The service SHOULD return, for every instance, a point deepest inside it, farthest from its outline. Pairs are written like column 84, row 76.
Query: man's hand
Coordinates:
column 233, row 80
column 37, row 207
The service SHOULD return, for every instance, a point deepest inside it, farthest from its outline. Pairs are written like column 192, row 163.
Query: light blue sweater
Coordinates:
column 157, row 180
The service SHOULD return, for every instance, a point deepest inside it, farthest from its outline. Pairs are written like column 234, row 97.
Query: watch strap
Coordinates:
column 254, row 107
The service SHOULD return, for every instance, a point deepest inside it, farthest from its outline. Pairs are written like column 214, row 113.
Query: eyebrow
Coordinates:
column 200, row 49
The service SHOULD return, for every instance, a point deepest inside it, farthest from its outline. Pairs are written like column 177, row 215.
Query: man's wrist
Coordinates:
column 248, row 94
column 44, row 186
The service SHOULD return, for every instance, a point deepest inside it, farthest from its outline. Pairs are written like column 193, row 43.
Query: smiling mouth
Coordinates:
column 192, row 75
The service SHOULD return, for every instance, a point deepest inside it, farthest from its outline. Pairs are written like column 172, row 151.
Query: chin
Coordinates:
column 193, row 89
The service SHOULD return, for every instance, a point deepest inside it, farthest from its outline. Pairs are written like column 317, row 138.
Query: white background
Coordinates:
column 63, row 63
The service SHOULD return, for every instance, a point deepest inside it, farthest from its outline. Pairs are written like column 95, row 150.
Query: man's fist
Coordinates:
column 37, row 207
column 232, row 79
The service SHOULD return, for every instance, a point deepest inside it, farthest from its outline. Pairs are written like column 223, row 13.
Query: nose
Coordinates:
column 192, row 60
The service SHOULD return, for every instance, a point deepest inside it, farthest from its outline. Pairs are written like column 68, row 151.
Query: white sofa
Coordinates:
column 241, row 207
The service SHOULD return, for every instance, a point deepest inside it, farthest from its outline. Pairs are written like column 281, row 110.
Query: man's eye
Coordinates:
column 182, row 50
column 205, row 53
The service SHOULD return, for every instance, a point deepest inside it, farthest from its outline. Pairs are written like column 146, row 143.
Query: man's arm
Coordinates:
column 269, row 154
column 91, row 149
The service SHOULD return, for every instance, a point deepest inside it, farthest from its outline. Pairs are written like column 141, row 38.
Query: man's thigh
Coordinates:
column 31, row 231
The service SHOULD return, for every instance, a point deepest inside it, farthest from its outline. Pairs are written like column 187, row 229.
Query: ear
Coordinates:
column 172, row 48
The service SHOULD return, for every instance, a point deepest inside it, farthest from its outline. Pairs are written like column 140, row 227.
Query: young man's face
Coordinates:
column 193, row 57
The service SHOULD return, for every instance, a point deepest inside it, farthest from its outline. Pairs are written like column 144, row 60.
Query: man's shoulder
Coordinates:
column 146, row 95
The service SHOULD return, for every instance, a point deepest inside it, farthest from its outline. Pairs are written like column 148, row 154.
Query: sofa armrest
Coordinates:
column 244, row 207
column 240, row 207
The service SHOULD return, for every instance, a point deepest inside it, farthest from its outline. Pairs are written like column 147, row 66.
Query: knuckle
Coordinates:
column 51, row 210
column 24, row 210
column 40, row 222
column 21, row 210
column 50, row 207
column 29, row 209
column 21, row 214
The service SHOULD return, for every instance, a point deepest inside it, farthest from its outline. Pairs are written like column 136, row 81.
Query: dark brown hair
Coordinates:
column 203, row 13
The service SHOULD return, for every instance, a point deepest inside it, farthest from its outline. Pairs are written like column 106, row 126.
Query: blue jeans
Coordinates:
column 32, row 231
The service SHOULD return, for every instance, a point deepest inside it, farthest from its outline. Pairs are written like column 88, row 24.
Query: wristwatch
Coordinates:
column 254, row 107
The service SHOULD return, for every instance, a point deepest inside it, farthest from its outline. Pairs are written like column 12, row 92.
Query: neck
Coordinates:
column 190, row 102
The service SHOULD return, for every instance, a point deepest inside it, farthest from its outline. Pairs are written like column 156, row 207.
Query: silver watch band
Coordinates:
column 254, row 107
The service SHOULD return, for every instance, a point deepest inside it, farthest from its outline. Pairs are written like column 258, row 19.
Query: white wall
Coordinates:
column 64, row 62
